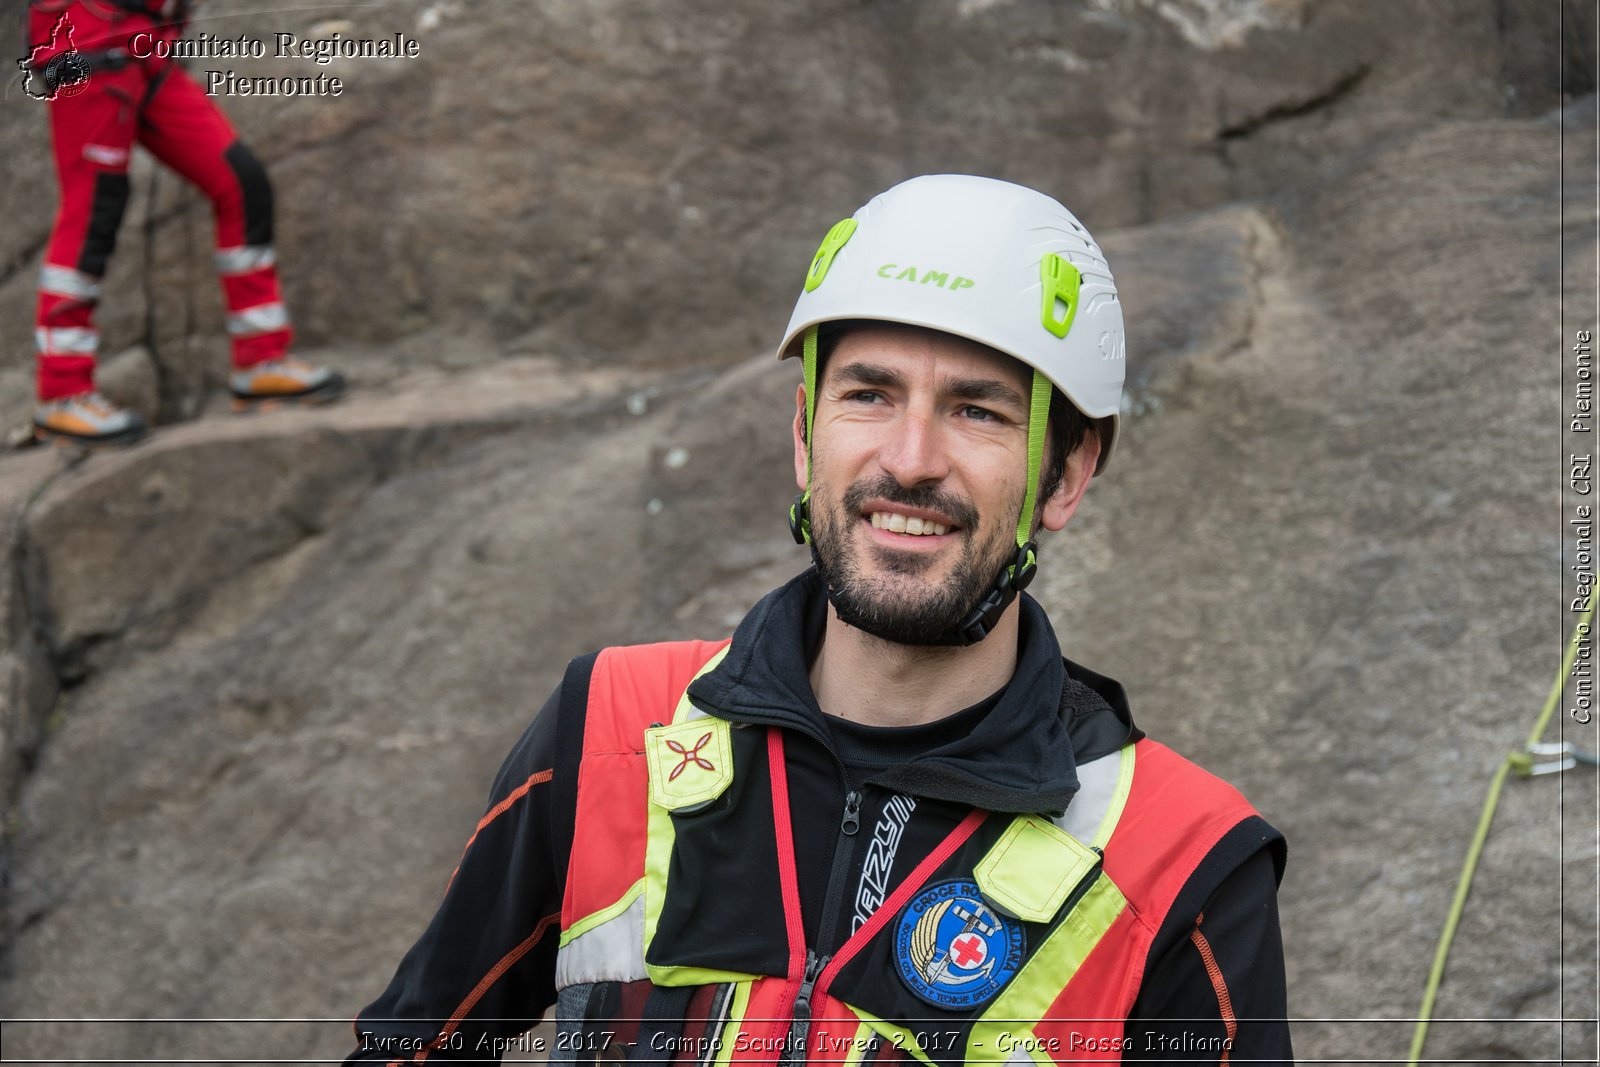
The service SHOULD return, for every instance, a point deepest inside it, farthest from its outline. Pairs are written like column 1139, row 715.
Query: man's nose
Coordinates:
column 915, row 450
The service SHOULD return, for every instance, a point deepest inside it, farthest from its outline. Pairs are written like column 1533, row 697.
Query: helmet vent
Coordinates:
column 837, row 236
column 1059, row 284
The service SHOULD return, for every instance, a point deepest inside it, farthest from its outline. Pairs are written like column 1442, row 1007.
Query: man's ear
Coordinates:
column 800, row 437
column 1054, row 512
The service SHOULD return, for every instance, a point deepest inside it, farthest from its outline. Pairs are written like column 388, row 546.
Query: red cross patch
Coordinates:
column 968, row 950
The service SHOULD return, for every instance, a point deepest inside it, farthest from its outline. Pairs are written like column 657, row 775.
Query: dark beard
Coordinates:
column 926, row 620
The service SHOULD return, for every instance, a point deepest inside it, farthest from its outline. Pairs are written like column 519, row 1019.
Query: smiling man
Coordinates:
column 888, row 820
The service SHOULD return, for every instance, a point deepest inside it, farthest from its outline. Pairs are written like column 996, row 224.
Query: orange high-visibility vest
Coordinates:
column 1098, row 882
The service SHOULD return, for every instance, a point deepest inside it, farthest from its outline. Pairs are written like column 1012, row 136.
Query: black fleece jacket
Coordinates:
column 1016, row 751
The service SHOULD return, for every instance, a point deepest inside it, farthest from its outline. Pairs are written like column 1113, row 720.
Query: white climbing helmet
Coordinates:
column 994, row 262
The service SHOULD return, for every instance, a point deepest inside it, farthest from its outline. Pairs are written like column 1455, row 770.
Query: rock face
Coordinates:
column 594, row 180
column 257, row 673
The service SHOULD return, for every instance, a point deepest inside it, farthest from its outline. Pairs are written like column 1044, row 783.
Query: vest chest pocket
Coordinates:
column 1034, row 867
column 690, row 762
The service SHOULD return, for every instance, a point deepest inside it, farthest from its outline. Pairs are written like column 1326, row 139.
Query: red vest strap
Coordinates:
column 1176, row 813
column 630, row 688
column 635, row 685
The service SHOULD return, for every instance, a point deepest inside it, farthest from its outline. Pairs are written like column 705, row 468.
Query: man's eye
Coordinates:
column 864, row 396
column 972, row 411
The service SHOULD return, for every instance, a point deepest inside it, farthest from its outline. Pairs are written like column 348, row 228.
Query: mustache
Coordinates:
column 926, row 497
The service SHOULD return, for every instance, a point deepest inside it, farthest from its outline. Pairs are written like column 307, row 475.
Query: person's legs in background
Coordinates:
column 184, row 130
column 92, row 132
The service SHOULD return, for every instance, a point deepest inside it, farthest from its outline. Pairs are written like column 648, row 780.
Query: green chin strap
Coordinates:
column 1019, row 571
column 800, row 510
column 1015, row 576
column 1038, row 422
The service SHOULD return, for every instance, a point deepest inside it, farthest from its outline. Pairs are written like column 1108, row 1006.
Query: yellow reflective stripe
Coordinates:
column 660, row 836
column 657, row 855
column 1119, row 800
column 1041, row 980
column 686, row 709
column 682, row 976
column 730, row 1032
column 858, row 1045
column 604, row 915
column 904, row 1040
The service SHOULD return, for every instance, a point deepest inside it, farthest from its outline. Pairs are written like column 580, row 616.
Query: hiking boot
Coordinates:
column 88, row 419
column 284, row 381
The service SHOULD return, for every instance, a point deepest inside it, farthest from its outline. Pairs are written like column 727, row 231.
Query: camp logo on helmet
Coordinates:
column 895, row 272
column 953, row 950
column 1012, row 267
column 1112, row 345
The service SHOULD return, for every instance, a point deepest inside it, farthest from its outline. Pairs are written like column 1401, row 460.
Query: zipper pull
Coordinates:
column 802, row 1003
column 852, row 813
column 800, row 1027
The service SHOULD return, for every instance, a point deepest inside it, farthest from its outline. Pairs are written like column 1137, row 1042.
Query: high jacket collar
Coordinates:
column 1020, row 757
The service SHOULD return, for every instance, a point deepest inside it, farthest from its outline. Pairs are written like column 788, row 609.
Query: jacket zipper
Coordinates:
column 816, row 970
column 800, row 1027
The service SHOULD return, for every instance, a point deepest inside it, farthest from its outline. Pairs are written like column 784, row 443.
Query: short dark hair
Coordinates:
column 1069, row 427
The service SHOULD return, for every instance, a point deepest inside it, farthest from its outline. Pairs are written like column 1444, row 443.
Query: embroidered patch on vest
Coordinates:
column 691, row 762
column 690, row 755
column 952, row 949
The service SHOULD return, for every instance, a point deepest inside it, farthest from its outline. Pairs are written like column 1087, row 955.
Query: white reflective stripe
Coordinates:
column 261, row 319
column 1119, row 799
column 610, row 952
column 107, row 155
column 67, row 340
column 1097, row 788
column 244, row 259
column 64, row 281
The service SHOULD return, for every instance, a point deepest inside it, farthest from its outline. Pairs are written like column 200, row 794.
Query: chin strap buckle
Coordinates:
column 1014, row 577
column 800, row 520
column 983, row 618
column 1024, row 565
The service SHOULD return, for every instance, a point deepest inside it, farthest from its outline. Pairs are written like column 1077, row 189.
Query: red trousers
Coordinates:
column 151, row 101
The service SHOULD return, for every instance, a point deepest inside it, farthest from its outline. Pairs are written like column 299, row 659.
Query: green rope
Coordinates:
column 1458, row 905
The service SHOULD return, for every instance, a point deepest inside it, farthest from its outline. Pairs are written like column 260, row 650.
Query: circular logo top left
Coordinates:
column 67, row 74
